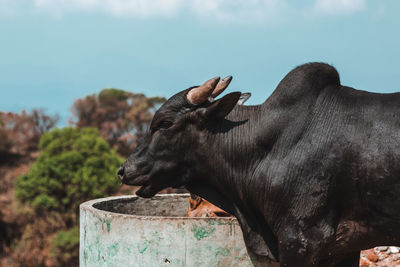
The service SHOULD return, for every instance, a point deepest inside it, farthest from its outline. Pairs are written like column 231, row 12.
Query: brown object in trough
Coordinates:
column 199, row 207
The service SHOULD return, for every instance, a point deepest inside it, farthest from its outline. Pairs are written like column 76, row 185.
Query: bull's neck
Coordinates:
column 232, row 149
column 234, row 141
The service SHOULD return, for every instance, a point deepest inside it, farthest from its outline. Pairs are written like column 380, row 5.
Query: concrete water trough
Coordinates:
column 132, row 231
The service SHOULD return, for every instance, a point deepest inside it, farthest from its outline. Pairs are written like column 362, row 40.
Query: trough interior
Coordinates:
column 173, row 205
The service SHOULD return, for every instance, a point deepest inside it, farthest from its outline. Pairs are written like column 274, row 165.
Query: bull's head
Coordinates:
column 166, row 155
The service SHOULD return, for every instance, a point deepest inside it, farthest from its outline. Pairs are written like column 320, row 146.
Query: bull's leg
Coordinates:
column 295, row 253
column 351, row 260
column 299, row 247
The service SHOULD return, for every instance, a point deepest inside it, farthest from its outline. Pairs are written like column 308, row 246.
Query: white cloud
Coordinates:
column 334, row 7
column 141, row 8
column 221, row 10
column 238, row 10
column 226, row 10
column 241, row 11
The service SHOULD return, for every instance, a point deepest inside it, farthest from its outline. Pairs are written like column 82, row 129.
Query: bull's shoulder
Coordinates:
column 306, row 80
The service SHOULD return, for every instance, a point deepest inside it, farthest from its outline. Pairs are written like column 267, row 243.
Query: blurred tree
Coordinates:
column 65, row 247
column 20, row 133
column 74, row 165
column 121, row 116
column 5, row 143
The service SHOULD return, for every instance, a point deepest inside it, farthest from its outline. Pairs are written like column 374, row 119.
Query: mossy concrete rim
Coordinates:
column 89, row 206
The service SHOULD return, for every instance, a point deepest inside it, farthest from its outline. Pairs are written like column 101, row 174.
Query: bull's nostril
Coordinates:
column 121, row 172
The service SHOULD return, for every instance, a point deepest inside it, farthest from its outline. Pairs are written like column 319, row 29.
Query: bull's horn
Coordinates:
column 221, row 86
column 243, row 98
column 200, row 94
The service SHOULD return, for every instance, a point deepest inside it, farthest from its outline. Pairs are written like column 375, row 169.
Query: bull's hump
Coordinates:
column 306, row 80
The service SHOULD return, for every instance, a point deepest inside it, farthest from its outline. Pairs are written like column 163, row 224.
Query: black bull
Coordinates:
column 312, row 174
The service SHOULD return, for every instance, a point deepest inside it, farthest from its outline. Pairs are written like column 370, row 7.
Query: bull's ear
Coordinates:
column 221, row 107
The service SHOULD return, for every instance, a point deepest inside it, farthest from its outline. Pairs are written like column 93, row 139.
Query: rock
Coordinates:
column 371, row 255
column 364, row 263
column 383, row 248
column 396, row 258
column 393, row 250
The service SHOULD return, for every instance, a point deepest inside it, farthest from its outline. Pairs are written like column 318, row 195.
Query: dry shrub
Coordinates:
column 38, row 230
column 20, row 132
column 122, row 117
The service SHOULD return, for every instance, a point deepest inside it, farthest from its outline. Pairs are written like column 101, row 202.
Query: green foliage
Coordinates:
column 65, row 247
column 112, row 94
column 74, row 165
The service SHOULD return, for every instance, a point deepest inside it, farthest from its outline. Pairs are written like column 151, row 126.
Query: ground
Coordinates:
column 380, row 257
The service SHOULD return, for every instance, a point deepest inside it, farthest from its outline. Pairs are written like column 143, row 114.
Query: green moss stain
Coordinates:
column 156, row 237
column 113, row 249
column 222, row 251
column 211, row 222
column 222, row 222
column 200, row 232
column 105, row 223
column 142, row 247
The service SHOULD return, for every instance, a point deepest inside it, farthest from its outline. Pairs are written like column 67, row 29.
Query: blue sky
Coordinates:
column 55, row 51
